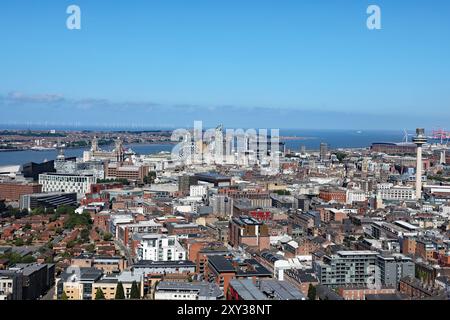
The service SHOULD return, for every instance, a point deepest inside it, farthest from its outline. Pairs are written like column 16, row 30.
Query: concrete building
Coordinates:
column 419, row 141
column 158, row 247
column 397, row 193
column 164, row 267
column 77, row 283
column 171, row 290
column 108, row 285
column 346, row 268
column 58, row 182
column 106, row 264
column 185, row 182
column 393, row 268
column 323, row 151
column 47, row 200
column 266, row 289
column 10, row 285
column 198, row 191
column 36, row 280
column 118, row 170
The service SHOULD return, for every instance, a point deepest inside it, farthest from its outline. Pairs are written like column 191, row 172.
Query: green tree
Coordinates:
column 120, row 294
column 283, row 192
column 311, row 292
column 75, row 219
column 99, row 295
column 19, row 242
column 340, row 156
column 37, row 211
column 64, row 296
column 2, row 206
column 107, row 236
column 64, row 210
column 134, row 292
column 70, row 244
column 150, row 178
column 84, row 235
column 28, row 259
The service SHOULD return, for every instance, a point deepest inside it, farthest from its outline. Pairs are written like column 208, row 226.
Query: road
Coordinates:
column 49, row 295
column 124, row 251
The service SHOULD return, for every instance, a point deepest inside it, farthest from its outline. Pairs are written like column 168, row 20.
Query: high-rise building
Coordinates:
column 323, row 151
column 354, row 268
column 419, row 141
column 393, row 268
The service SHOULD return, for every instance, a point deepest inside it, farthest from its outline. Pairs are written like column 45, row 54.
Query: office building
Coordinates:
column 11, row 191
column 33, row 170
column 58, row 182
column 47, row 200
column 323, row 151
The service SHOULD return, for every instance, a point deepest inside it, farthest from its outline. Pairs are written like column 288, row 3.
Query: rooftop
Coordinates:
column 203, row 289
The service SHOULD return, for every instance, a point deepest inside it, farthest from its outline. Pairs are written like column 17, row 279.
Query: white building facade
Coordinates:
column 157, row 247
column 58, row 182
column 397, row 193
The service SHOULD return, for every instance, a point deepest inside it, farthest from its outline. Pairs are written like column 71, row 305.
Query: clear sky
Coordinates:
column 244, row 63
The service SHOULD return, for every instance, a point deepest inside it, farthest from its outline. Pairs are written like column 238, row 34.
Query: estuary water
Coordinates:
column 311, row 139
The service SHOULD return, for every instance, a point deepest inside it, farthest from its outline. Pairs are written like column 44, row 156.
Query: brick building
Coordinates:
column 245, row 230
column 11, row 191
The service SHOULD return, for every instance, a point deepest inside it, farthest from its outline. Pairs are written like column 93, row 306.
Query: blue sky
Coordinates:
column 244, row 63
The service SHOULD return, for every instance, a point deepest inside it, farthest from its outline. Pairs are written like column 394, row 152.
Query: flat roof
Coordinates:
column 357, row 253
column 221, row 264
column 247, row 289
column 153, row 264
column 204, row 289
column 406, row 225
column 283, row 289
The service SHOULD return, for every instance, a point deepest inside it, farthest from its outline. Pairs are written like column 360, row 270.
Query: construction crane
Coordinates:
column 441, row 135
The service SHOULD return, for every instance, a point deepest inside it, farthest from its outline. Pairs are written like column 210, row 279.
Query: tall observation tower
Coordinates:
column 419, row 140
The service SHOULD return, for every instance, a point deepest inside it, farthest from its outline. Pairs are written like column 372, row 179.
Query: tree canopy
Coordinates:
column 78, row 220
column 120, row 294
column 134, row 292
column 311, row 292
column 99, row 295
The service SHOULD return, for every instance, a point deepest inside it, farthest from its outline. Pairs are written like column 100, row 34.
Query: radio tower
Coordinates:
column 419, row 141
